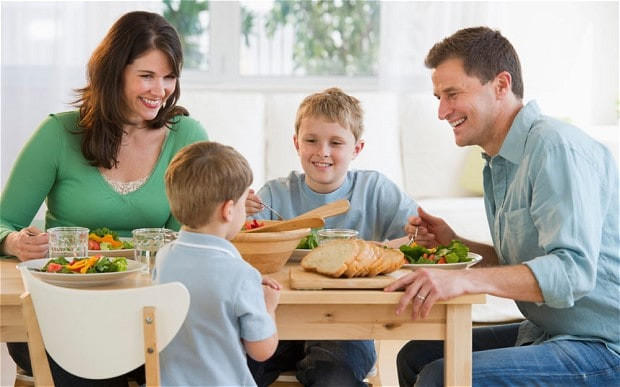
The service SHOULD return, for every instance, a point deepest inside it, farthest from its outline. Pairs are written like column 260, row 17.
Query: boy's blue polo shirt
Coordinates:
column 226, row 305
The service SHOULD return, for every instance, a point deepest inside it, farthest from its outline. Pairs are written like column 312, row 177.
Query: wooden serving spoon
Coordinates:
column 312, row 218
column 286, row 225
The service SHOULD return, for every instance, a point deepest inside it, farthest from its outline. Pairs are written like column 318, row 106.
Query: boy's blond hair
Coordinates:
column 333, row 105
column 200, row 177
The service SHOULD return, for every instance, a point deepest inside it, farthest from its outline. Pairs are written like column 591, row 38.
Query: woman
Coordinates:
column 103, row 165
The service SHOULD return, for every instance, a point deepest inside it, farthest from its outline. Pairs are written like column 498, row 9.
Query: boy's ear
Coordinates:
column 227, row 210
column 358, row 148
column 296, row 143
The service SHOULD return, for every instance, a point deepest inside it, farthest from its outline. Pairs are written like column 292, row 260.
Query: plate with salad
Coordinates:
column 96, row 270
column 451, row 257
column 107, row 242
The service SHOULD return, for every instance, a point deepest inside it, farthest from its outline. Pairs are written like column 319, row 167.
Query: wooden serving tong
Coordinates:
column 312, row 218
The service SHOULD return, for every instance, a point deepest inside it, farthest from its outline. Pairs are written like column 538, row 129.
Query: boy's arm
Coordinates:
column 263, row 349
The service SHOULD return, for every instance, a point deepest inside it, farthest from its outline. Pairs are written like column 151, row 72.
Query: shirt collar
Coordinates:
column 205, row 239
column 514, row 144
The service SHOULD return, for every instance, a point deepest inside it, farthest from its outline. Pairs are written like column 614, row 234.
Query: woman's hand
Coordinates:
column 29, row 243
column 253, row 204
column 432, row 231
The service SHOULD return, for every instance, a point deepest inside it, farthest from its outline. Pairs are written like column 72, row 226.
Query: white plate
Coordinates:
column 298, row 254
column 447, row 266
column 127, row 253
column 80, row 280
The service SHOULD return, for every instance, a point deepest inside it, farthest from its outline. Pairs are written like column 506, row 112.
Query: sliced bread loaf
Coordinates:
column 332, row 258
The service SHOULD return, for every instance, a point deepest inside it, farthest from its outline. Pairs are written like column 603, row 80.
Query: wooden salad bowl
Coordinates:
column 268, row 252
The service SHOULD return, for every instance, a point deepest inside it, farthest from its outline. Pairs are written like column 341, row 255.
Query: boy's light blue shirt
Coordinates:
column 379, row 208
column 551, row 197
column 226, row 305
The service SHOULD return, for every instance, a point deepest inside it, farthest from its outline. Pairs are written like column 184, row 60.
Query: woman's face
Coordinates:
column 147, row 84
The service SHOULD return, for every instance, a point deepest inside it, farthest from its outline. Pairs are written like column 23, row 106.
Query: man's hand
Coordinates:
column 424, row 287
column 432, row 231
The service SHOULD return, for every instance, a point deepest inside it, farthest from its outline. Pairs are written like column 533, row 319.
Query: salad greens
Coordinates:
column 105, row 239
column 94, row 264
column 455, row 252
column 310, row 241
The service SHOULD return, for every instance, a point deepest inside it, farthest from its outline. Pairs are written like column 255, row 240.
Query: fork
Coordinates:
column 280, row 217
column 415, row 235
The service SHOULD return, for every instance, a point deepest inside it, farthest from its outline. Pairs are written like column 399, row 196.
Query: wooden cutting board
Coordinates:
column 301, row 279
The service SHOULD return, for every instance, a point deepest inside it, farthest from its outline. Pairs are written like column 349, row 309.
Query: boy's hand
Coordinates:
column 253, row 204
column 272, row 297
column 432, row 231
column 270, row 282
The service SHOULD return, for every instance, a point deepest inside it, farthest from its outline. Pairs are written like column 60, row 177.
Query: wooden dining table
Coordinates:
column 326, row 314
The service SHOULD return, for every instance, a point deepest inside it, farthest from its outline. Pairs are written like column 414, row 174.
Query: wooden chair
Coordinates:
column 97, row 334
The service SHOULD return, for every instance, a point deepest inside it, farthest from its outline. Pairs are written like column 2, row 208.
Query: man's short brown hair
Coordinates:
column 485, row 53
column 200, row 177
column 333, row 105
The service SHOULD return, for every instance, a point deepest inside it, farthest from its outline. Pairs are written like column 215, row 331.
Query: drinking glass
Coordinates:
column 328, row 234
column 68, row 242
column 146, row 243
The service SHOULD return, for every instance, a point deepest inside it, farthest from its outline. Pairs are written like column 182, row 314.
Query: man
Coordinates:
column 551, row 198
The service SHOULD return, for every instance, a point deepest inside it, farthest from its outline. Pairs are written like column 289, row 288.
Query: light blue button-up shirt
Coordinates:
column 551, row 197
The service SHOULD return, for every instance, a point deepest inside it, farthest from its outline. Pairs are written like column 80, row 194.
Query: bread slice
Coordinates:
column 359, row 267
column 395, row 260
column 332, row 258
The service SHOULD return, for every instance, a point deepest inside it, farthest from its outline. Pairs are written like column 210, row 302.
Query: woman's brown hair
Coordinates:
column 102, row 114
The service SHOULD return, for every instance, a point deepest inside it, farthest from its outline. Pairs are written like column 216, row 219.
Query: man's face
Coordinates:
column 470, row 107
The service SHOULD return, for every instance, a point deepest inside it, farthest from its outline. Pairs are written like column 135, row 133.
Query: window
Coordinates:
column 251, row 40
column 299, row 38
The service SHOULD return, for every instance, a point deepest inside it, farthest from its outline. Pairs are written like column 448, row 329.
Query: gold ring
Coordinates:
column 420, row 297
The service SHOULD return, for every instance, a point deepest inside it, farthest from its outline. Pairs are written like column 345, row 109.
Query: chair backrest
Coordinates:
column 97, row 334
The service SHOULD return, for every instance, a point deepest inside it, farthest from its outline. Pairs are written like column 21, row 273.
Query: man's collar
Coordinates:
column 514, row 144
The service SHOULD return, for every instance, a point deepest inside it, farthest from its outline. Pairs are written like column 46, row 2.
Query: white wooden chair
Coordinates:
column 97, row 334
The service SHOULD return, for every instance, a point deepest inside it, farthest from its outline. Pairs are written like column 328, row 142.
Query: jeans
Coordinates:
column 318, row 363
column 497, row 362
column 21, row 357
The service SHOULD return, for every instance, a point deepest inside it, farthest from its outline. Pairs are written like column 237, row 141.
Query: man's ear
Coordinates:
column 227, row 210
column 358, row 148
column 503, row 84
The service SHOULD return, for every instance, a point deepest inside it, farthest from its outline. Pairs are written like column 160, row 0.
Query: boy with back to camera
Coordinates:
column 328, row 131
column 230, row 313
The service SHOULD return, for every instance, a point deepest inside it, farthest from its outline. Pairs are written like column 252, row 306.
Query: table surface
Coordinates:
column 315, row 315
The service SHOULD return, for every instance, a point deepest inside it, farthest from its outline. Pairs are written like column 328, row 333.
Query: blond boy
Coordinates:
column 231, row 313
column 328, row 137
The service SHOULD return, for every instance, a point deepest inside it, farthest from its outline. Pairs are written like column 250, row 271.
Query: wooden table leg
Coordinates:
column 457, row 348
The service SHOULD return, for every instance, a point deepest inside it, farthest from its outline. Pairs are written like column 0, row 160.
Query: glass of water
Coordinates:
column 146, row 243
column 68, row 242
